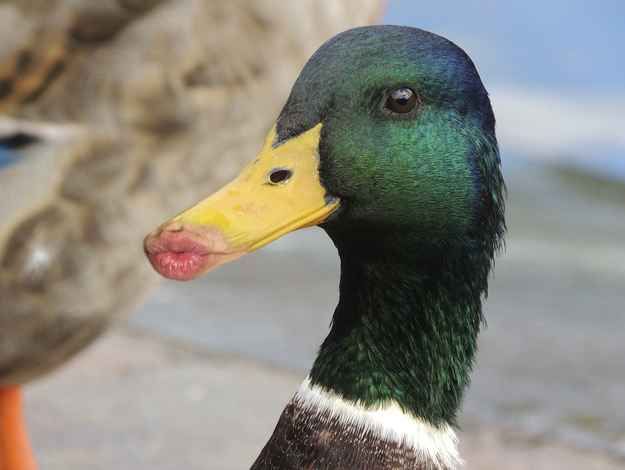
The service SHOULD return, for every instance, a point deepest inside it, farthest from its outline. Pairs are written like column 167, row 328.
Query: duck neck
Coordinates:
column 404, row 333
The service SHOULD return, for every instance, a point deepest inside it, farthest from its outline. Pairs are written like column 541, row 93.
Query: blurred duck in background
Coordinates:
column 113, row 112
column 387, row 142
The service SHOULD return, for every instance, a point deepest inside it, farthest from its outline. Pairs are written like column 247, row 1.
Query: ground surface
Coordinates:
column 135, row 401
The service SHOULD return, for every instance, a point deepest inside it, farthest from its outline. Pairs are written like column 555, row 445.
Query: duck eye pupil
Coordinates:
column 280, row 175
column 401, row 100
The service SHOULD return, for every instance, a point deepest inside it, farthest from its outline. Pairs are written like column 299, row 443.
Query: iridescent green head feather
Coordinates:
column 423, row 180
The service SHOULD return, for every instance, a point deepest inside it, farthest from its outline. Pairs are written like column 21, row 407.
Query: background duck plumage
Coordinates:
column 119, row 145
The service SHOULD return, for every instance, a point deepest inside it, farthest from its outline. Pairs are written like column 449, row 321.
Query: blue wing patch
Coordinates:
column 7, row 157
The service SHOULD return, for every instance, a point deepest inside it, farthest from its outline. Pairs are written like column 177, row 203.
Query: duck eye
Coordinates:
column 401, row 101
column 280, row 175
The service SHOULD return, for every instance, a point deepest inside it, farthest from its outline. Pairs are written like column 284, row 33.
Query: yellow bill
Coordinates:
column 277, row 193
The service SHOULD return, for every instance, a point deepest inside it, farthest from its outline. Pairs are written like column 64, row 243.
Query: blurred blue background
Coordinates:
column 554, row 70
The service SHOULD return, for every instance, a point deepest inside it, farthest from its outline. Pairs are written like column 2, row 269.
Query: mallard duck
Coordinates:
column 387, row 143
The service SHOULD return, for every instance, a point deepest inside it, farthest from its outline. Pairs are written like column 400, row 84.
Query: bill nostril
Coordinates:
column 280, row 175
column 172, row 227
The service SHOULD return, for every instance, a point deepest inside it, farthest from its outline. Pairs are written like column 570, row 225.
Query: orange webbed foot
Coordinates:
column 15, row 450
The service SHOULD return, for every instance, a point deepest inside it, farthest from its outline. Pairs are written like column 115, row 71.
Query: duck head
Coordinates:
column 386, row 141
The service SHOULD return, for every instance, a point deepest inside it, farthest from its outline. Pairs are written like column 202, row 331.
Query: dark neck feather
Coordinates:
column 404, row 332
